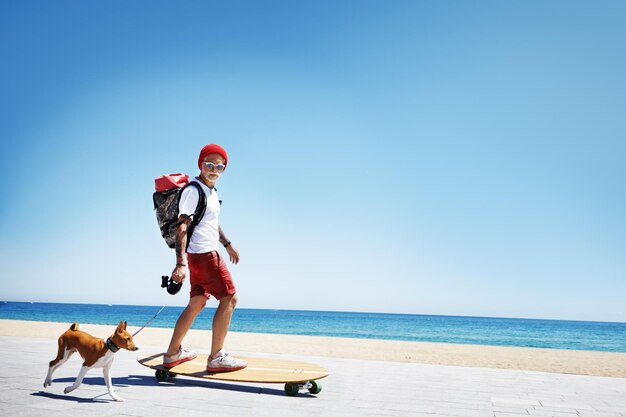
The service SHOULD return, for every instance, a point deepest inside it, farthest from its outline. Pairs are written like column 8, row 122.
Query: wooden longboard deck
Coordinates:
column 261, row 370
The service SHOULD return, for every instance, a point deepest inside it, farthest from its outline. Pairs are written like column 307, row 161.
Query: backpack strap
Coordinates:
column 200, row 209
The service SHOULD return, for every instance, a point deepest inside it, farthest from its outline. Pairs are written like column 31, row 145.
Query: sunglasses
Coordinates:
column 211, row 165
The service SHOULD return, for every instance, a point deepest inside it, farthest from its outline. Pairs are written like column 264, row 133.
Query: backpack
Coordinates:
column 169, row 188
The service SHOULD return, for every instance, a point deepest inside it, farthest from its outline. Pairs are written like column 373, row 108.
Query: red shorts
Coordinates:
column 209, row 275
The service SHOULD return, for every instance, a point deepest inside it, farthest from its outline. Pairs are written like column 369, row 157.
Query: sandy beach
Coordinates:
column 612, row 364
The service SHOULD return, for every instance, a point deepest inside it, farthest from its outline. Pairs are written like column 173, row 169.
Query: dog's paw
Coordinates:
column 69, row 389
column 117, row 398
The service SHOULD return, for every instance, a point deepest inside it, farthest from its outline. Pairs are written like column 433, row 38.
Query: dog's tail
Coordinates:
column 74, row 326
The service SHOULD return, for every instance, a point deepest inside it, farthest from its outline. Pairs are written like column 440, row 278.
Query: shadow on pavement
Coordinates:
column 150, row 381
column 65, row 397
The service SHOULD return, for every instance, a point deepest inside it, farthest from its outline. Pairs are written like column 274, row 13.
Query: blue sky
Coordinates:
column 451, row 157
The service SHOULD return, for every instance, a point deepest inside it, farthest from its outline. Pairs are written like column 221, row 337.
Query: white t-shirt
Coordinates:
column 205, row 237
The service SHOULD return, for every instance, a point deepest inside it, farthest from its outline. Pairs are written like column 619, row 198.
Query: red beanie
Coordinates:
column 212, row 148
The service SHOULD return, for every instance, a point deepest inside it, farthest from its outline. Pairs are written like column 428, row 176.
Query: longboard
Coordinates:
column 294, row 374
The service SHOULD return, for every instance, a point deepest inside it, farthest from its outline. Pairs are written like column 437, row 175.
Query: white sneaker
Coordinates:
column 222, row 362
column 182, row 356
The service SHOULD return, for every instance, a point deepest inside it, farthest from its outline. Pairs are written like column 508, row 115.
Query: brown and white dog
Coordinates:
column 95, row 352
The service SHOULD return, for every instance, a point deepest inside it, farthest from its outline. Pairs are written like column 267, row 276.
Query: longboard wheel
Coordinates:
column 291, row 389
column 315, row 387
column 161, row 375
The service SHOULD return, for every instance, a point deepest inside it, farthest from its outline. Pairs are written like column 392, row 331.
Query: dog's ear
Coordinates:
column 121, row 326
column 125, row 324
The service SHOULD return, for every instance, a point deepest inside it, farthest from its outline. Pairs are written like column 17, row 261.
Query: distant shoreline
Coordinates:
column 181, row 307
column 610, row 364
column 484, row 331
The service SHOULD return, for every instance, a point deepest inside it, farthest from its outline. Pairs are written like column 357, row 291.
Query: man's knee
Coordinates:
column 197, row 303
column 230, row 300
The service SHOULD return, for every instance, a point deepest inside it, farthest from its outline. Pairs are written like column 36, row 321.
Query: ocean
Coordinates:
column 556, row 334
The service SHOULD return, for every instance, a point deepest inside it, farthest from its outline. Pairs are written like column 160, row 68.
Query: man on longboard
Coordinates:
column 207, row 269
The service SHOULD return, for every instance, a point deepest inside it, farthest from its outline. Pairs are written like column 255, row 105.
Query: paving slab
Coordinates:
column 354, row 388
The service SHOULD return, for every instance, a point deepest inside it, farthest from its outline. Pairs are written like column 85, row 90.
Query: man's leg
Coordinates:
column 184, row 322
column 221, row 322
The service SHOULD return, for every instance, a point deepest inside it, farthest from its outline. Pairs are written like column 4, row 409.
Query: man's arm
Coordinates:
column 232, row 252
column 178, row 275
column 223, row 239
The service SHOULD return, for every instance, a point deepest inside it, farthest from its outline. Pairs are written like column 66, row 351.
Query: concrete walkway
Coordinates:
column 354, row 388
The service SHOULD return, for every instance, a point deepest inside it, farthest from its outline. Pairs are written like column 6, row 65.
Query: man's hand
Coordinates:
column 233, row 254
column 178, row 274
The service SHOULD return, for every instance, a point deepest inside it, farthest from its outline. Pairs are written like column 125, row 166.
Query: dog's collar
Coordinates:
column 112, row 346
